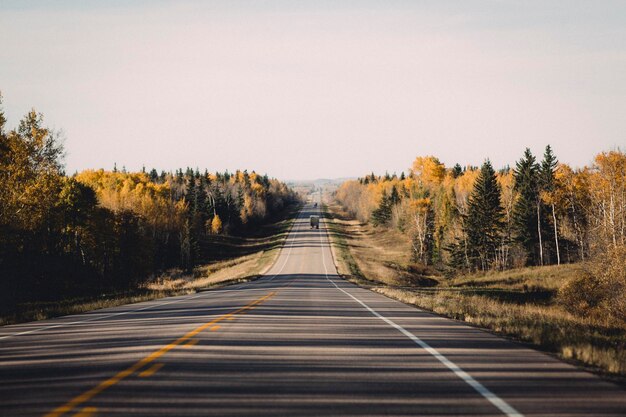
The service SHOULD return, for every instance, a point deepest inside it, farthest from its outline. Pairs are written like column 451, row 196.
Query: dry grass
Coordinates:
column 547, row 277
column 522, row 304
column 376, row 254
column 599, row 345
column 238, row 269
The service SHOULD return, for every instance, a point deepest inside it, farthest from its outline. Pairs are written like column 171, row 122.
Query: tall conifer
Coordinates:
column 548, row 185
column 525, row 224
column 485, row 218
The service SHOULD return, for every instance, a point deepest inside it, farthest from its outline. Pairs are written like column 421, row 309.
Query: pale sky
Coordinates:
column 311, row 89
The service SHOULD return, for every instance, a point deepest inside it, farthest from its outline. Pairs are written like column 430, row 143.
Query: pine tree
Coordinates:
column 548, row 185
column 485, row 218
column 394, row 197
column 457, row 171
column 154, row 176
column 382, row 214
column 525, row 224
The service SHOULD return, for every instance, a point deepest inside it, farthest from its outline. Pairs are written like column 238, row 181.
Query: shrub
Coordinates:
column 601, row 289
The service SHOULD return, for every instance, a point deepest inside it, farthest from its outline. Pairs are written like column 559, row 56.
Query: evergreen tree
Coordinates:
column 154, row 176
column 457, row 171
column 382, row 214
column 194, row 229
column 484, row 219
column 394, row 197
column 548, row 185
column 525, row 224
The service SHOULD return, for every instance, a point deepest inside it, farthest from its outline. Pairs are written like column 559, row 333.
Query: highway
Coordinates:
column 299, row 341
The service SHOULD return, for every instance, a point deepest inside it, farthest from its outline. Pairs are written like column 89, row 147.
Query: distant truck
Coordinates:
column 315, row 222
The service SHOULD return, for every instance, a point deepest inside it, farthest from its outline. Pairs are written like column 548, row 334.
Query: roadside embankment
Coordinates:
column 521, row 304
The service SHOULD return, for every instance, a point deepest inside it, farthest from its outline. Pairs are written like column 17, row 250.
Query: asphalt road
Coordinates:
column 299, row 341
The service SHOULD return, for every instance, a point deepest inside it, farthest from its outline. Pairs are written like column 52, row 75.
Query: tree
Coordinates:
column 526, row 210
column 216, row 225
column 548, row 186
column 574, row 200
column 30, row 173
column 428, row 170
column 484, row 218
column 508, row 197
column 77, row 202
column 420, row 228
column 382, row 214
column 457, row 171
column 608, row 192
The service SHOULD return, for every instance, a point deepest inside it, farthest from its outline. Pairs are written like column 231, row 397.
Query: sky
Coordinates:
column 317, row 89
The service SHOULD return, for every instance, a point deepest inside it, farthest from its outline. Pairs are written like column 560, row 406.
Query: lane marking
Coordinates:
column 214, row 328
column 153, row 369
column 88, row 395
column 293, row 241
column 191, row 343
column 86, row 412
column 498, row 402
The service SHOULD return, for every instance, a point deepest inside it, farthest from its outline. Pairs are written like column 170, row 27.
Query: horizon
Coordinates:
column 331, row 90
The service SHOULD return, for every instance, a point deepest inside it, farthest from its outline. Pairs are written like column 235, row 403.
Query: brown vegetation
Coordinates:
column 532, row 304
column 549, row 213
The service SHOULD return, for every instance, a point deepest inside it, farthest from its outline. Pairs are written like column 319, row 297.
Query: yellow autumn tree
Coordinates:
column 428, row 170
column 608, row 191
column 216, row 225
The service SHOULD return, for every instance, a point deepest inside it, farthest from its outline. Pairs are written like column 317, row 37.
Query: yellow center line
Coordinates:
column 214, row 328
column 86, row 412
column 151, row 370
column 88, row 395
column 191, row 343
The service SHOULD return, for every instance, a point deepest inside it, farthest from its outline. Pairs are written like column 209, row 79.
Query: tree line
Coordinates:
column 476, row 218
column 70, row 235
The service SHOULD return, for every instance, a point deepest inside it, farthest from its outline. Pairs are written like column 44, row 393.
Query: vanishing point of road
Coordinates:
column 299, row 341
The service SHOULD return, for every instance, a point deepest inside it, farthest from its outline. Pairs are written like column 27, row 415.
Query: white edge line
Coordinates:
column 293, row 240
column 502, row 405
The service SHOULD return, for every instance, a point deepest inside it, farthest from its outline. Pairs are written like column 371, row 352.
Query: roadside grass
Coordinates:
column 521, row 304
column 245, row 259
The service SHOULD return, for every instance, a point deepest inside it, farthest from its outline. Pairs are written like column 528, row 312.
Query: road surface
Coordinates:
column 299, row 341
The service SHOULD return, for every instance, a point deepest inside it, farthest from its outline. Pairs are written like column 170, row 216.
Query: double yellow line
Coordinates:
column 88, row 395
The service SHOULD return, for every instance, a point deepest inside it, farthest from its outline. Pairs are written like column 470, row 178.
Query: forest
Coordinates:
column 470, row 219
column 97, row 231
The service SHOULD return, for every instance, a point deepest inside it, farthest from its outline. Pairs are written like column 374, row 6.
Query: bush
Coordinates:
column 601, row 290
